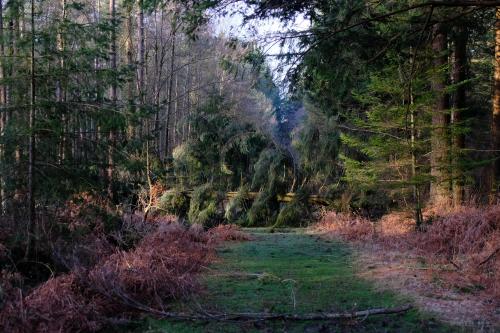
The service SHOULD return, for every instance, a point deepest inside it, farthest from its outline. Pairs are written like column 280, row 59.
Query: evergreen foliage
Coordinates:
column 174, row 202
column 206, row 207
column 296, row 213
column 237, row 207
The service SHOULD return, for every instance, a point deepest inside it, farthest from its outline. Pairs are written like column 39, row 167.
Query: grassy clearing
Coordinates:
column 294, row 273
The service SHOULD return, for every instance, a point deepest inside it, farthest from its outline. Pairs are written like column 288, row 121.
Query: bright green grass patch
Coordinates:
column 293, row 273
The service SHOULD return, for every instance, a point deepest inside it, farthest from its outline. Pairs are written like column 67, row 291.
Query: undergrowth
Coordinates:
column 104, row 268
column 466, row 238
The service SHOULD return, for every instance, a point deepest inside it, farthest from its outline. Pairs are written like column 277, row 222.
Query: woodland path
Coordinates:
column 293, row 272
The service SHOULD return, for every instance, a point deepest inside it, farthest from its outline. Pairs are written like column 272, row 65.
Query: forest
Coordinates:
column 249, row 166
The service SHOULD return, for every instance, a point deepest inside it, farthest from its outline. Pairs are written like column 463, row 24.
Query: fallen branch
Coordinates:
column 118, row 294
column 489, row 257
column 290, row 317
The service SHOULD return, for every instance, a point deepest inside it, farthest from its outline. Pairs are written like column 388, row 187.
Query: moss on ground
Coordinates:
column 294, row 273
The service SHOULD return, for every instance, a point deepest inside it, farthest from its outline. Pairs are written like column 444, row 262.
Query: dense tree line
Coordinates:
column 105, row 83
column 389, row 104
column 99, row 96
column 400, row 98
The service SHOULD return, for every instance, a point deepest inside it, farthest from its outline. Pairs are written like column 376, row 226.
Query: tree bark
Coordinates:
column 495, row 121
column 3, row 113
column 459, row 76
column 187, row 102
column 113, row 97
column 141, row 60
column 59, row 87
column 158, row 65
column 130, row 63
column 176, row 110
column 440, row 186
column 170, row 86
column 31, row 144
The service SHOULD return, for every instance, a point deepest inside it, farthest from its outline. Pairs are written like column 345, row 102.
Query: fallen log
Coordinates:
column 207, row 316
column 288, row 197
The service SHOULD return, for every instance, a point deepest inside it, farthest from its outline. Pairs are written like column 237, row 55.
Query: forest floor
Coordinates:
column 293, row 272
column 415, row 277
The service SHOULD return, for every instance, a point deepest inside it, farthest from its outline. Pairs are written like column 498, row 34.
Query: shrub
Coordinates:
column 160, row 269
column 465, row 238
column 264, row 210
column 174, row 202
column 346, row 226
column 228, row 232
column 290, row 215
column 61, row 304
column 206, row 207
column 296, row 213
column 10, row 284
column 237, row 207
column 87, row 214
column 370, row 203
column 469, row 238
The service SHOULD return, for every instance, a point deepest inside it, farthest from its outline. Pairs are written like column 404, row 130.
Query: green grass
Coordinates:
column 293, row 272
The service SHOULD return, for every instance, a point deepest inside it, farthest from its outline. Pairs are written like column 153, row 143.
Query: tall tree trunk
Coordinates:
column 3, row 113
column 99, row 91
column 176, row 111
column 141, row 60
column 495, row 121
column 440, row 186
column 158, row 65
column 170, row 85
column 459, row 76
column 130, row 63
column 9, row 150
column 31, row 144
column 113, row 97
column 186, row 106
column 18, row 33
column 188, row 102
column 59, row 86
column 414, row 167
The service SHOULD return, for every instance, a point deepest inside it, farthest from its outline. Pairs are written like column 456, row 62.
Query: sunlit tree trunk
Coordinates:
column 459, row 76
column 414, row 167
column 176, row 111
column 440, row 186
column 187, row 106
column 170, row 85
